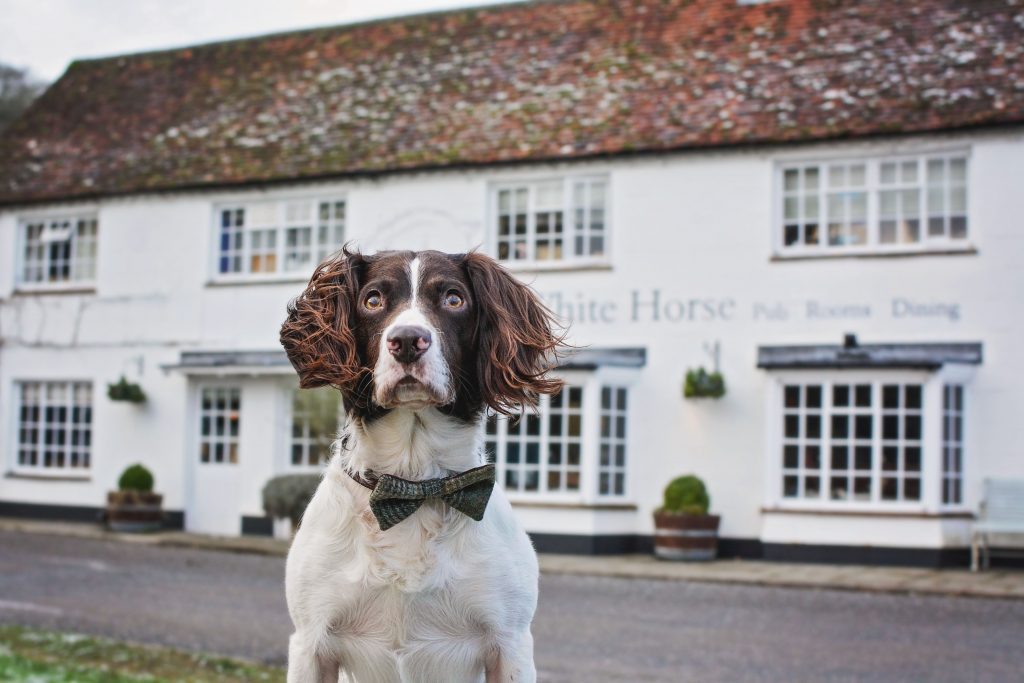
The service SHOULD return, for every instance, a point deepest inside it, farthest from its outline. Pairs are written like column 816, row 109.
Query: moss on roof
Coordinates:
column 539, row 81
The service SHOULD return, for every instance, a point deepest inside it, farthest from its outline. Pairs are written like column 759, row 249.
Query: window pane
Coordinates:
column 958, row 170
column 791, row 179
column 811, row 178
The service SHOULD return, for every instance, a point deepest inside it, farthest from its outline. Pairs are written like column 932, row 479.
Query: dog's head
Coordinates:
column 417, row 329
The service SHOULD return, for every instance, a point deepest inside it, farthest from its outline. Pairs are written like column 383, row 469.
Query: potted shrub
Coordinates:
column 683, row 529
column 286, row 496
column 134, row 507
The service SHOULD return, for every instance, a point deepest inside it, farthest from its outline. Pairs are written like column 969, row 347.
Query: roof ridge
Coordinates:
column 344, row 26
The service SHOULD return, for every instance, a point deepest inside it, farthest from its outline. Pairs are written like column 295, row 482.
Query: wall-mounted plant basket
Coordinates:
column 124, row 390
column 703, row 384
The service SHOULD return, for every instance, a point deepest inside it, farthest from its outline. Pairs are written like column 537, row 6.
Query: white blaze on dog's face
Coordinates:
column 411, row 369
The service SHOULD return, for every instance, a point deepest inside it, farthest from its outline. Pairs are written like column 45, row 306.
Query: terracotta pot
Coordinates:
column 134, row 511
column 685, row 537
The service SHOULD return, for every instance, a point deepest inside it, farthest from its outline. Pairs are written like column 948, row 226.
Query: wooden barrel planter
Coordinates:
column 685, row 537
column 134, row 511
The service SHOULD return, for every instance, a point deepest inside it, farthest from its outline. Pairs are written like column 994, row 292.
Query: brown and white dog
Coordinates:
column 420, row 344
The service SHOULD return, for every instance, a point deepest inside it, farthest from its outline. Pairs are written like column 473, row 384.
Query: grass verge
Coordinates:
column 47, row 657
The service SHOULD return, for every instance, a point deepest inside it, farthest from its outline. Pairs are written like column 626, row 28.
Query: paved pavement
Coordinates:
column 588, row 628
column 995, row 583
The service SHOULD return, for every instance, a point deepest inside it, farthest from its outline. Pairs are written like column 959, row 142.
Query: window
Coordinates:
column 883, row 204
column 952, row 444
column 846, row 441
column 262, row 239
column 219, row 421
column 612, row 466
column 54, row 426
column 544, row 452
column 552, row 221
column 316, row 417
column 58, row 250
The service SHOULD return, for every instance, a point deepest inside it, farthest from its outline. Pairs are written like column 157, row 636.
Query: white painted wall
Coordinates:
column 685, row 227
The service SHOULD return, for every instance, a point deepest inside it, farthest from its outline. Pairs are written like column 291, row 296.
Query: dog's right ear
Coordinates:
column 317, row 334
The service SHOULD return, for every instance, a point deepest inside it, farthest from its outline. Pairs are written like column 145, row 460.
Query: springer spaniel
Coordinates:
column 385, row 587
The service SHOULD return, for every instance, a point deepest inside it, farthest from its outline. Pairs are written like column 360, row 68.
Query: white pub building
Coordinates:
column 823, row 201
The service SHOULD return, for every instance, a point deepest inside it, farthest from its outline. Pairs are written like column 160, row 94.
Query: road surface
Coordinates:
column 586, row 630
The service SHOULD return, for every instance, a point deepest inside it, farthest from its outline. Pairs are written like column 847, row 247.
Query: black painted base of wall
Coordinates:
column 257, row 526
column 601, row 544
column 870, row 555
column 174, row 520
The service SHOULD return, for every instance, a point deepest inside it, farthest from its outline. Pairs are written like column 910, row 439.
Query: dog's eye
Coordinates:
column 374, row 301
column 453, row 299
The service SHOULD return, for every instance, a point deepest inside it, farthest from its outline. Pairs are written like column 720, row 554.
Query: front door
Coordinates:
column 214, row 487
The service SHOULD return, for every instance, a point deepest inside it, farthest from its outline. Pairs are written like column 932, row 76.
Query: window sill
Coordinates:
column 558, row 267
column 913, row 513
column 778, row 257
column 29, row 290
column 34, row 476
column 275, row 280
column 600, row 507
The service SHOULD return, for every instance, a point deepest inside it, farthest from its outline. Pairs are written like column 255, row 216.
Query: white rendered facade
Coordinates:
column 693, row 259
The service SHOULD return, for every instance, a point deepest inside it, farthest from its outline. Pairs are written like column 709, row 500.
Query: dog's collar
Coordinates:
column 392, row 498
column 369, row 480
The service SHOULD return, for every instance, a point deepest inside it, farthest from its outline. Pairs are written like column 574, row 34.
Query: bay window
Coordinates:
column 952, row 444
column 868, row 440
column 573, row 447
column 316, row 418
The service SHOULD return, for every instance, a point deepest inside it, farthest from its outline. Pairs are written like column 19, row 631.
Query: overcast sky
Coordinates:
column 46, row 35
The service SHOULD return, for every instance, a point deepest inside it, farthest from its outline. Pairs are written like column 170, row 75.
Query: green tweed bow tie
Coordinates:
column 392, row 498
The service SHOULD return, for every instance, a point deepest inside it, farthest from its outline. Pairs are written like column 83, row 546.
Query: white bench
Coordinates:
column 1002, row 512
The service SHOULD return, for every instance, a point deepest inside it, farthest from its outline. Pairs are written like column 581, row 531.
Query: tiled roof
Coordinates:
column 523, row 82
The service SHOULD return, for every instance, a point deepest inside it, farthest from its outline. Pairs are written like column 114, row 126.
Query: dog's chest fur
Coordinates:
column 435, row 577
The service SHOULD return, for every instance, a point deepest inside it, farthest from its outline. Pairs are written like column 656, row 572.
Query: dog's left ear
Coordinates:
column 516, row 337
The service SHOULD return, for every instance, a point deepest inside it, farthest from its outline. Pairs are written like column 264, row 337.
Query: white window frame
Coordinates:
column 954, row 408
column 931, row 438
column 290, row 440
column 39, row 470
column 569, row 258
column 962, row 376
column 873, row 188
column 591, row 383
column 47, row 219
column 281, row 225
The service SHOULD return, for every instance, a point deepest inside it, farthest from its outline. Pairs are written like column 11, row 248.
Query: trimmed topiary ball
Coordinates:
column 136, row 478
column 687, row 496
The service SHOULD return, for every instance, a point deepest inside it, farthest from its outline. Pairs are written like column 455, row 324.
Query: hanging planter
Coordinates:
column 123, row 390
column 703, row 384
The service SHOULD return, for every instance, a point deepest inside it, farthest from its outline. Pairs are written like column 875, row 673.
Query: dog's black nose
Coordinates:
column 408, row 342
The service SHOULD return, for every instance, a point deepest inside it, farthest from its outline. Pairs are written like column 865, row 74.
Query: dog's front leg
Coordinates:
column 513, row 661
column 305, row 665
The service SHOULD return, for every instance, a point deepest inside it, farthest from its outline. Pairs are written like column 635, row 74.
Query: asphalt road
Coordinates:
column 587, row 629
